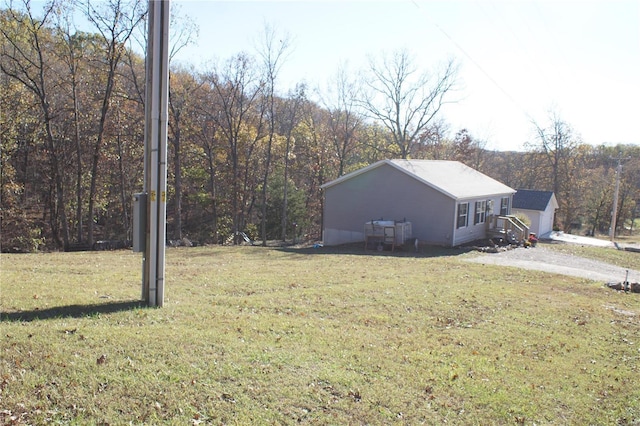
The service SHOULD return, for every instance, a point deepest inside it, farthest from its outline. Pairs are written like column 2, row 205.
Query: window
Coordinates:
column 504, row 206
column 481, row 209
column 463, row 215
column 489, row 208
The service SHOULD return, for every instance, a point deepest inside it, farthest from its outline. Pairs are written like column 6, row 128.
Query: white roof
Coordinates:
column 452, row 178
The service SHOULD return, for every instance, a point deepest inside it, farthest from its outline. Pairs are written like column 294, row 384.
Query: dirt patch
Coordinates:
column 546, row 260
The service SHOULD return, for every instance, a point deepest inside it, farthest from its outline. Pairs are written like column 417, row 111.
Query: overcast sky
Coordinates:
column 518, row 59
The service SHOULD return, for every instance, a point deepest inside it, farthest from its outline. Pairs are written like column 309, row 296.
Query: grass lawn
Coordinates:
column 253, row 335
column 605, row 254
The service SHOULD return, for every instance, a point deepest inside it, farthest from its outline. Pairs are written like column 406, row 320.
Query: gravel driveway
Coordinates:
column 547, row 260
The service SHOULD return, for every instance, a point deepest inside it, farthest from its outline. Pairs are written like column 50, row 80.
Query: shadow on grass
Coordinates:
column 71, row 311
column 358, row 250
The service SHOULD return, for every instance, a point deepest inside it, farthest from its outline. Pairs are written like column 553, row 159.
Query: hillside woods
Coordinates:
column 245, row 155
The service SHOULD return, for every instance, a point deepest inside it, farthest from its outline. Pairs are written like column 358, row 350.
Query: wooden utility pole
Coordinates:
column 155, row 152
column 614, row 211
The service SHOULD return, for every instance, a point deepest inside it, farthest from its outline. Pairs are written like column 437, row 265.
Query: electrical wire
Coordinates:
column 473, row 61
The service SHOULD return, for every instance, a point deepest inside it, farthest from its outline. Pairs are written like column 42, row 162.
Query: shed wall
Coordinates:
column 546, row 221
column 541, row 222
column 534, row 216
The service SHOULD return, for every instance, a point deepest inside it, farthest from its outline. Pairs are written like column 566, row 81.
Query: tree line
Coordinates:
column 244, row 156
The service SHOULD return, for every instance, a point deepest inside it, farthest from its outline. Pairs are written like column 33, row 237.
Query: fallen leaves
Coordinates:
column 228, row 398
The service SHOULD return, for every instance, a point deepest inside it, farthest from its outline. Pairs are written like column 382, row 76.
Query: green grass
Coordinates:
column 268, row 336
column 622, row 258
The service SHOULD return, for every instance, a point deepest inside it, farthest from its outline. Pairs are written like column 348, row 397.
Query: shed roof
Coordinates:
column 452, row 178
column 529, row 199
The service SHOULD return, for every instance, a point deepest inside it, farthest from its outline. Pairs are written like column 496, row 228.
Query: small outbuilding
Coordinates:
column 446, row 202
column 539, row 206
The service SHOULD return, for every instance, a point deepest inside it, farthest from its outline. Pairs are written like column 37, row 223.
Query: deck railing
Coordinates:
column 509, row 227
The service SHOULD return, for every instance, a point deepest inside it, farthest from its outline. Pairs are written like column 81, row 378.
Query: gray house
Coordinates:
column 539, row 206
column 446, row 202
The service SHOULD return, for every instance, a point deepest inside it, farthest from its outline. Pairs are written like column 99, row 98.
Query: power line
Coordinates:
column 473, row 61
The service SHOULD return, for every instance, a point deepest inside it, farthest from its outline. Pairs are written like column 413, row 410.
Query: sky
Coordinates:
column 518, row 60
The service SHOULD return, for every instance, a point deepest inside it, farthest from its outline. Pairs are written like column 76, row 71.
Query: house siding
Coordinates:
column 472, row 231
column 387, row 193
column 400, row 191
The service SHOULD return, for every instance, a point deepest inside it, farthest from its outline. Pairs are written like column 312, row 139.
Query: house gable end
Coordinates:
column 353, row 174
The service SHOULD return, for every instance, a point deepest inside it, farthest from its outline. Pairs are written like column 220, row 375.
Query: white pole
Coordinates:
column 153, row 67
column 156, row 114
column 162, row 153
column 148, row 126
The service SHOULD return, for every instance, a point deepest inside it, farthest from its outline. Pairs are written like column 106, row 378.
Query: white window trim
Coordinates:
column 508, row 205
column 480, row 211
column 466, row 215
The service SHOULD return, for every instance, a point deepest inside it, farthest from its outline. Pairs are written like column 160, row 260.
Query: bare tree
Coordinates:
column 237, row 89
column 291, row 115
column 558, row 146
column 556, row 141
column 403, row 99
column 344, row 118
column 273, row 52
column 210, row 147
column 183, row 31
column 71, row 55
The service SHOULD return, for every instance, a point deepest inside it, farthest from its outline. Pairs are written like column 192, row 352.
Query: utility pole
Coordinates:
column 155, row 152
column 614, row 212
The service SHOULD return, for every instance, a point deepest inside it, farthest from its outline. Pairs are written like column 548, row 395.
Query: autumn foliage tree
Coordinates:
column 244, row 158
